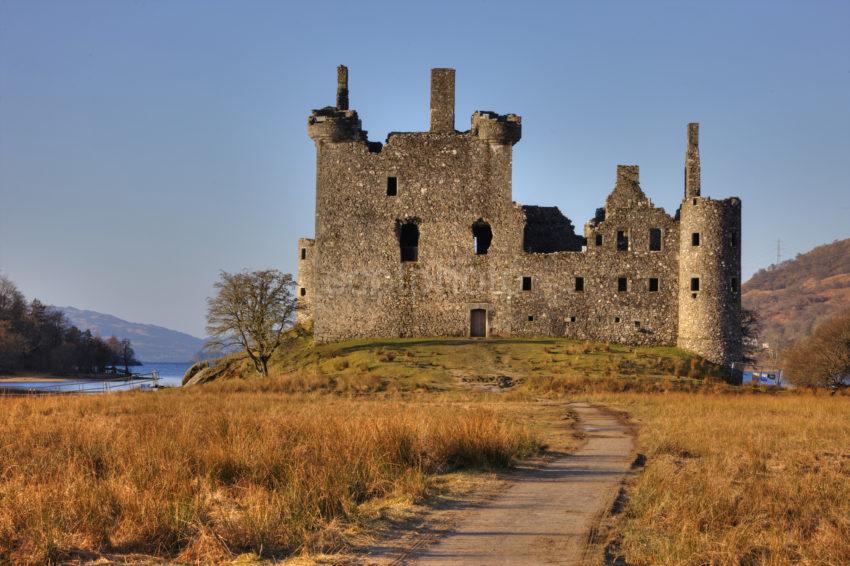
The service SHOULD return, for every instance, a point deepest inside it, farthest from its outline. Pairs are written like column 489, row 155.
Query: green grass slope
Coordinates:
column 536, row 365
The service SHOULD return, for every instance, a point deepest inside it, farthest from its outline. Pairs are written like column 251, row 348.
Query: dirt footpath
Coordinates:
column 546, row 515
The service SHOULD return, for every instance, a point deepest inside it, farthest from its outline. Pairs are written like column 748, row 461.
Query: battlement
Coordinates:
column 497, row 128
column 334, row 125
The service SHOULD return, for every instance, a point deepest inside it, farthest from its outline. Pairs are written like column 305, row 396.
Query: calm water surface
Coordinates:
column 170, row 374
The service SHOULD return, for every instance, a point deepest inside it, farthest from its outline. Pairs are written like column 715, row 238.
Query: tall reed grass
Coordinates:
column 751, row 479
column 202, row 477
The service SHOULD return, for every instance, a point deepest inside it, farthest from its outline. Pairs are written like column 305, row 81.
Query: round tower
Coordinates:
column 335, row 124
column 709, row 269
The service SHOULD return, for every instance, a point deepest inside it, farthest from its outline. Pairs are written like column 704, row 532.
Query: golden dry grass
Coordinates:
column 751, row 479
column 202, row 476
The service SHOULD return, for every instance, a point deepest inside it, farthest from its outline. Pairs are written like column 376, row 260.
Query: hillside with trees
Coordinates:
column 152, row 343
column 37, row 338
column 794, row 297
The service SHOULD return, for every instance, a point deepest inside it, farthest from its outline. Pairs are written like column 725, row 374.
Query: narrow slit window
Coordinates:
column 655, row 239
column 695, row 239
column 526, row 283
column 599, row 239
column 572, row 319
column 303, row 253
column 579, row 284
column 392, row 186
column 622, row 284
column 303, row 292
column 622, row 241
column 694, row 284
column 653, row 284
column 733, row 283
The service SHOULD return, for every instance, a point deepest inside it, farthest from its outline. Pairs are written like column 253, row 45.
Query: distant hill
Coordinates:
column 796, row 295
column 152, row 343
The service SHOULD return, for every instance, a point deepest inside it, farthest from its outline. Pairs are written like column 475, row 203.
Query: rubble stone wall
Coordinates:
column 444, row 182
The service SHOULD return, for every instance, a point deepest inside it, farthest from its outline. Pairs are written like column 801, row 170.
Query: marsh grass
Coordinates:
column 201, row 477
column 749, row 479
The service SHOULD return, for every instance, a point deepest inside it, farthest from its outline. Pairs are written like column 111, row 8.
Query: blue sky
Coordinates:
column 146, row 145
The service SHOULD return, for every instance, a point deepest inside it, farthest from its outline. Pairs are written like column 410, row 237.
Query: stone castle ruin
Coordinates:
column 420, row 237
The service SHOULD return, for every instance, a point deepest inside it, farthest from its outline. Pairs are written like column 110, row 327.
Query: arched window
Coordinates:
column 408, row 240
column 482, row 235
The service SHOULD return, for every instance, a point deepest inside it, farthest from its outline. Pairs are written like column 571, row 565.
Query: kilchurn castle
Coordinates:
column 420, row 237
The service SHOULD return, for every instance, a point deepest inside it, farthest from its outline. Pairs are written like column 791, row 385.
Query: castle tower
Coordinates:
column 336, row 124
column 709, row 268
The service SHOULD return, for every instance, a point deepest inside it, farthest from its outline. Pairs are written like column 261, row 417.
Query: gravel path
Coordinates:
column 547, row 514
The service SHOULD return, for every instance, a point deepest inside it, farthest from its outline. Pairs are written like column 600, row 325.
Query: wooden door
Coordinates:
column 478, row 323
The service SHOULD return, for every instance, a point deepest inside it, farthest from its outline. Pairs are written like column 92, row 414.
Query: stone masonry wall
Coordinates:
column 635, row 266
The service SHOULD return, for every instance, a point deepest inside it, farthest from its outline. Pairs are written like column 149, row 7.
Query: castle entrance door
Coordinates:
column 478, row 323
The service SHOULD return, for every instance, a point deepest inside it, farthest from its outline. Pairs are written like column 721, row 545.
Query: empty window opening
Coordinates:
column 531, row 318
column 392, row 186
column 733, row 283
column 637, row 324
column 622, row 284
column 572, row 319
column 580, row 284
column 622, row 241
column 695, row 239
column 599, row 239
column 616, row 319
column 655, row 239
column 694, row 284
column 303, row 292
column 303, row 253
column 408, row 239
column 653, row 284
column 526, row 283
column 482, row 235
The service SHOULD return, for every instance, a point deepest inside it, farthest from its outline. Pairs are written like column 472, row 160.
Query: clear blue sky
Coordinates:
column 146, row 145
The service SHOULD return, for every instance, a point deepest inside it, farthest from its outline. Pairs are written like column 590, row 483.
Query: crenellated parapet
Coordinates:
column 333, row 125
column 497, row 128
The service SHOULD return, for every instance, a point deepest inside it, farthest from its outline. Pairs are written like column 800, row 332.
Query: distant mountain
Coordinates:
column 796, row 295
column 152, row 343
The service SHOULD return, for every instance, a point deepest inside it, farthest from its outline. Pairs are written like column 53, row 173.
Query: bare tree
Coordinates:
column 822, row 359
column 751, row 327
column 251, row 310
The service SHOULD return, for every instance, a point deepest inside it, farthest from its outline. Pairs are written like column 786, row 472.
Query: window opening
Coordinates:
column 408, row 239
column 655, row 239
column 482, row 236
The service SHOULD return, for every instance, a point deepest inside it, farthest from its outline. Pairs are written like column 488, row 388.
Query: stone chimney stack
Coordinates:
column 443, row 100
column 342, row 87
column 692, row 166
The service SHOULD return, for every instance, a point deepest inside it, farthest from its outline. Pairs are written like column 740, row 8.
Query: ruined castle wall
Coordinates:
column 603, row 311
column 445, row 183
column 709, row 318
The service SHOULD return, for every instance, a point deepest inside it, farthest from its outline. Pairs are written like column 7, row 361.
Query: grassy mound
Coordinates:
column 538, row 365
